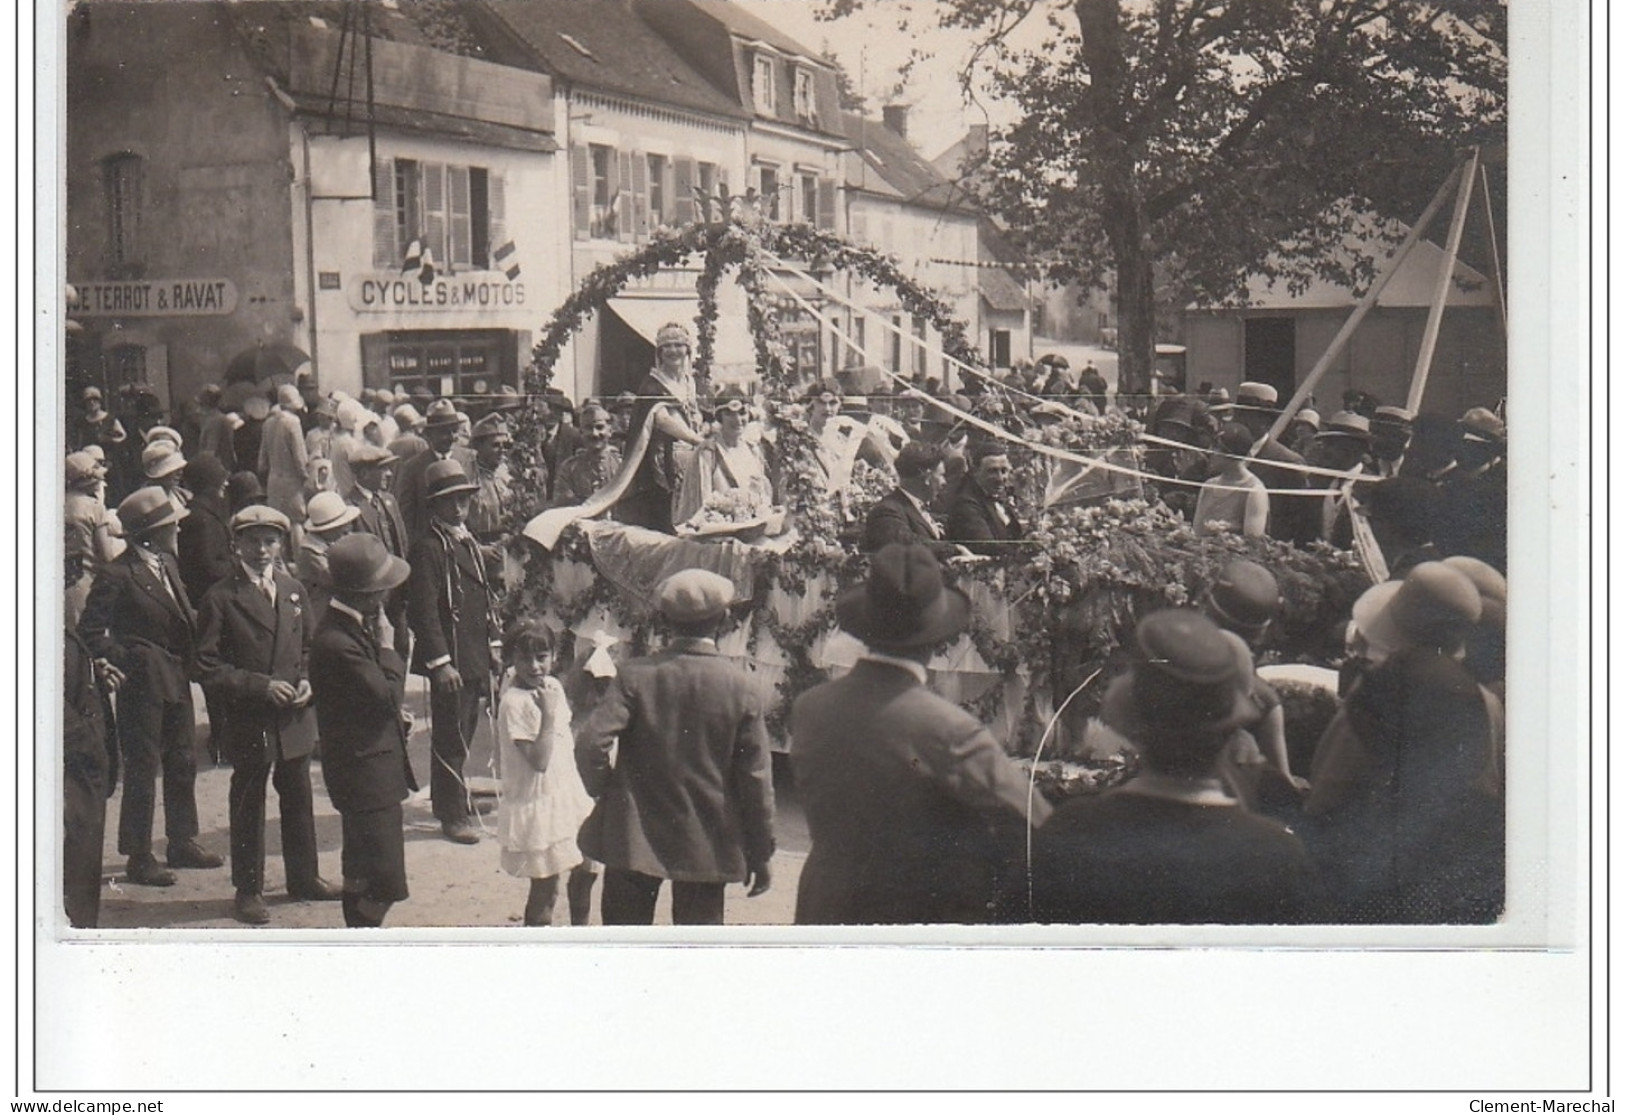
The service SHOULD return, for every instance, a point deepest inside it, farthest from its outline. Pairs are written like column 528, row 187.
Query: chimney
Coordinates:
column 896, row 119
column 976, row 141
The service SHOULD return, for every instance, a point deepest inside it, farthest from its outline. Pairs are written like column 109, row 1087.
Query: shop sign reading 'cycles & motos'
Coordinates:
column 386, row 293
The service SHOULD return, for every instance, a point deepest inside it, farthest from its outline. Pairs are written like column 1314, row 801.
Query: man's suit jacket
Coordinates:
column 90, row 754
column 381, row 516
column 974, row 524
column 690, row 795
column 1292, row 518
column 409, row 494
column 916, row 813
column 134, row 622
column 359, row 688
column 448, row 606
column 205, row 545
column 895, row 518
column 244, row 642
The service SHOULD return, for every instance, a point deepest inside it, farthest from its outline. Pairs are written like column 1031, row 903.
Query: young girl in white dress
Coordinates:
column 543, row 800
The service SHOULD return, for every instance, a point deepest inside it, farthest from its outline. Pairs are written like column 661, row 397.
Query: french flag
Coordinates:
column 419, row 259
column 506, row 258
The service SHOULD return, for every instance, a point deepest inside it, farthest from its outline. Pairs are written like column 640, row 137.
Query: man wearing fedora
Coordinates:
column 1405, row 814
column 1292, row 518
column 254, row 631
column 359, row 686
column 440, row 431
column 140, row 619
column 328, row 518
column 688, row 794
column 916, row 813
column 449, row 604
column 1172, row 845
column 1341, row 446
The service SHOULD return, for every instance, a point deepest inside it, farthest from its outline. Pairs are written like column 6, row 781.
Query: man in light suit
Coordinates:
column 254, row 630
column 689, row 796
column 139, row 618
column 916, row 813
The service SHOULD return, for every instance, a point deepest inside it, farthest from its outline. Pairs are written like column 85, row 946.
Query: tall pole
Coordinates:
column 1495, row 249
column 1307, row 387
column 1441, row 290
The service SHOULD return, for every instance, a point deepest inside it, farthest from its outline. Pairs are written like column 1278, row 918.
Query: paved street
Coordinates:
column 452, row 885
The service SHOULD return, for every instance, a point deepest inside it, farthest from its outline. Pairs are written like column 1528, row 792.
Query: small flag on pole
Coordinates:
column 414, row 257
column 426, row 274
column 507, row 260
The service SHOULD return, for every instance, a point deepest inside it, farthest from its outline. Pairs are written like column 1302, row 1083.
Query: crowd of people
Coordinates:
column 298, row 554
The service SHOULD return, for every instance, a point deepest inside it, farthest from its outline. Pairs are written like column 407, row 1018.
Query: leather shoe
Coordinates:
column 317, row 889
column 460, row 833
column 144, row 871
column 189, row 853
column 250, row 909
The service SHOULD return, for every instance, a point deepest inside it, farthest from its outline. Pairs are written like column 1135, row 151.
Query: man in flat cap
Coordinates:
column 254, row 631
column 689, row 793
column 449, row 607
column 140, row 619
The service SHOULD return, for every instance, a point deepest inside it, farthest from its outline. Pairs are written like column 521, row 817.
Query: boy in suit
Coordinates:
column 449, row 609
column 254, row 630
column 359, row 685
column 140, row 619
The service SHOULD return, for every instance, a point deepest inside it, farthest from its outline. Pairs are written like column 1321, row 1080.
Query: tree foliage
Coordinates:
column 1210, row 139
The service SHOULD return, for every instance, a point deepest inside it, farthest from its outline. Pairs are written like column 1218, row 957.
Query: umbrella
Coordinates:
column 265, row 361
column 238, row 393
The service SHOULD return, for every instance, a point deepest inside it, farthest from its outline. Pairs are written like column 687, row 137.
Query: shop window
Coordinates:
column 122, row 176
column 467, row 365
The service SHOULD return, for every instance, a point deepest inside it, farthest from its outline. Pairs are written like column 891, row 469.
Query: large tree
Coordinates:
column 1205, row 141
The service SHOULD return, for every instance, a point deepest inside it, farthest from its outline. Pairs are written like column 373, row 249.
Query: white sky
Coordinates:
column 872, row 49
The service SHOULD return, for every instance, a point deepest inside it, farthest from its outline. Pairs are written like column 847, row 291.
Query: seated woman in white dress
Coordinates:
column 726, row 460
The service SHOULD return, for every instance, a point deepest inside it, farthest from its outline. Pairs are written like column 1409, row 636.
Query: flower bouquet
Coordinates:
column 733, row 513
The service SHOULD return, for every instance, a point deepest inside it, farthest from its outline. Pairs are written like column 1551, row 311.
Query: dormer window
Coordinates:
column 805, row 101
column 764, row 89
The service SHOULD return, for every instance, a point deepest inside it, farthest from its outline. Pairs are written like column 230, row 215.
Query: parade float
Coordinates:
column 1050, row 614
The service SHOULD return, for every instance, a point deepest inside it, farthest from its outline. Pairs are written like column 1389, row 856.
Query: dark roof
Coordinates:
column 714, row 36
column 745, row 25
column 1001, row 291
column 442, row 27
column 898, row 166
column 603, row 45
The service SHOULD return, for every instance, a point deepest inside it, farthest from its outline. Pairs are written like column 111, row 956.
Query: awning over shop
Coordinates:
column 645, row 316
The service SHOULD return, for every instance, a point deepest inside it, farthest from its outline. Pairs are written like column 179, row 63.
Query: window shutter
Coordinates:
column 386, row 254
column 462, row 232
column 826, row 203
column 640, row 195
column 496, row 204
column 668, row 190
column 623, row 194
column 581, row 191
column 434, row 211
column 682, row 192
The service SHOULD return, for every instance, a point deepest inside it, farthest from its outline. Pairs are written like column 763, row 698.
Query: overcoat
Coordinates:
column 690, row 794
column 244, row 642
column 359, row 689
column 914, row 809
column 449, row 615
